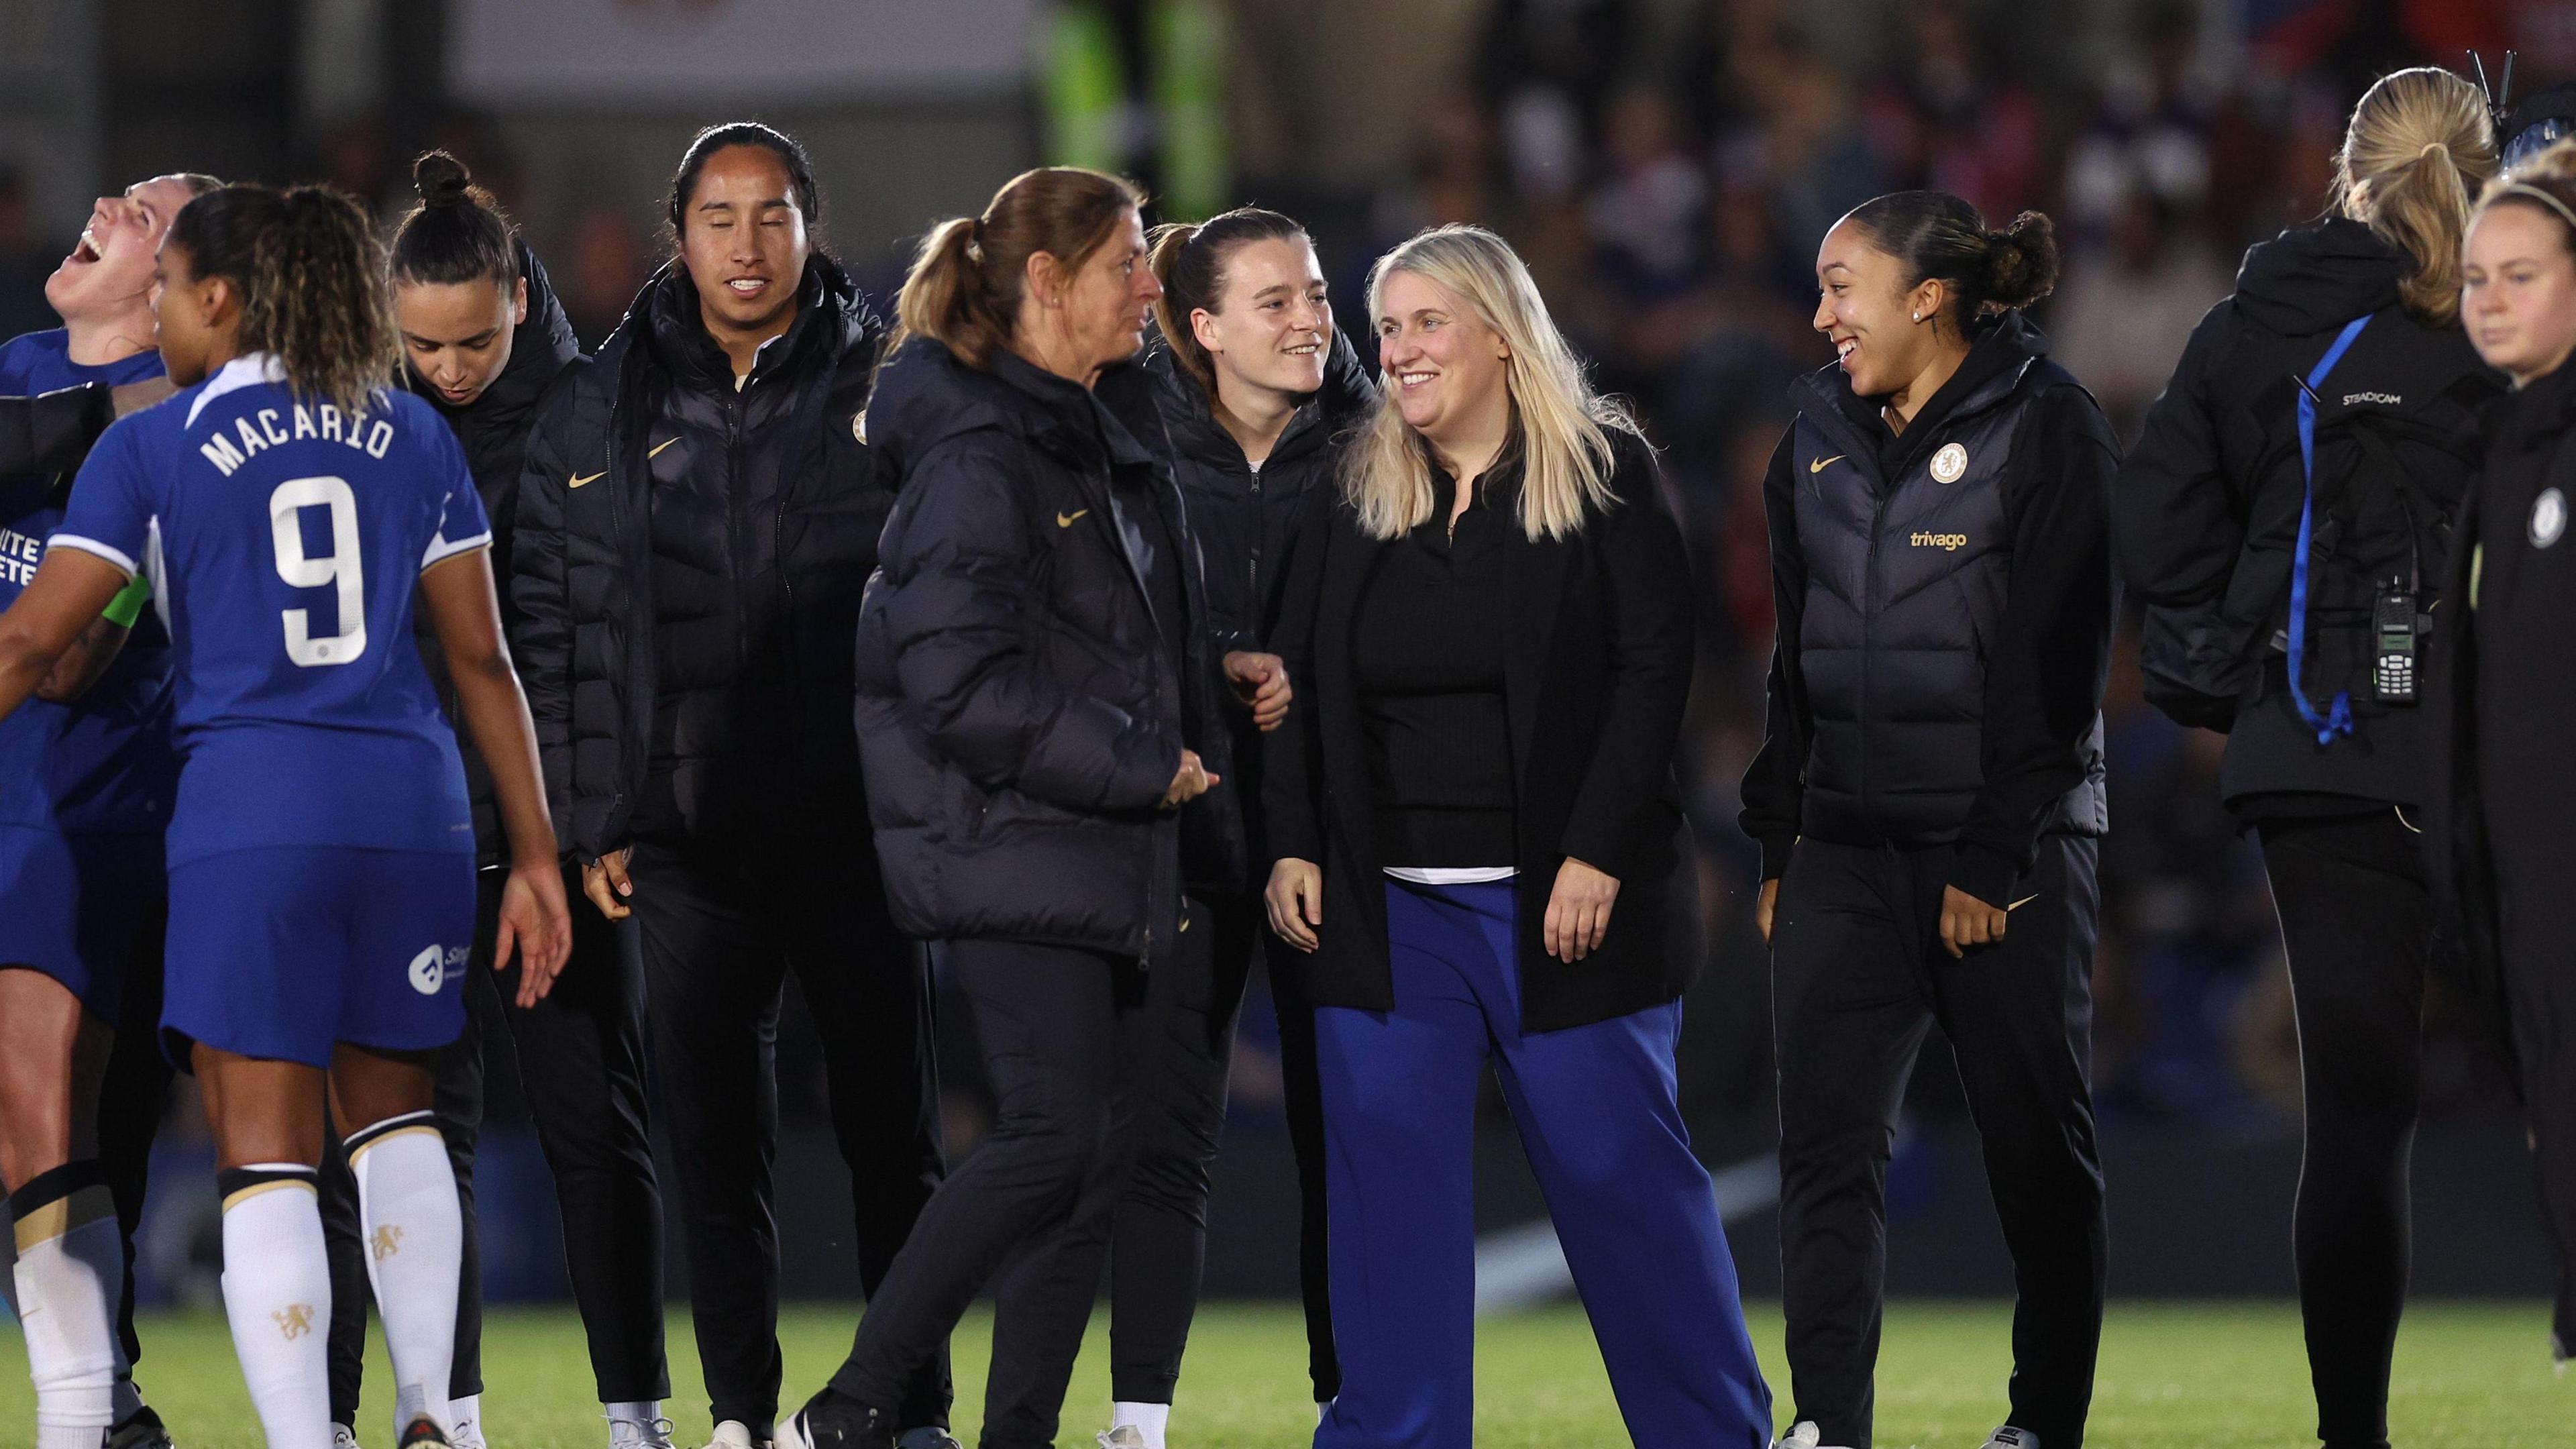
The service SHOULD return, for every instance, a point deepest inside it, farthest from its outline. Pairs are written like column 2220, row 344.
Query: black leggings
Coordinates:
column 2357, row 922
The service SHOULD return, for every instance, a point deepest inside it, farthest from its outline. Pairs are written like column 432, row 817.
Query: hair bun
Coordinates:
column 442, row 180
column 2021, row 261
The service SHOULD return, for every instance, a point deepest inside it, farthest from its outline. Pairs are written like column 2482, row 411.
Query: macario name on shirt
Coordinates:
column 270, row 427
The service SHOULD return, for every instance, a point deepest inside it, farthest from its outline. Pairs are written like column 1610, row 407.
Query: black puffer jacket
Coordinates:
column 52, row 432
column 1019, row 706
column 494, row 433
column 2206, row 512
column 1247, row 522
column 672, row 524
column 2504, row 680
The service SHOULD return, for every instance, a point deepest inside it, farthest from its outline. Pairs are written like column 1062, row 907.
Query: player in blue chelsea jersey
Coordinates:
column 85, row 780
column 287, row 503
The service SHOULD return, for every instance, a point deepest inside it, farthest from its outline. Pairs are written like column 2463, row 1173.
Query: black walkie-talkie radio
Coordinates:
column 2393, row 626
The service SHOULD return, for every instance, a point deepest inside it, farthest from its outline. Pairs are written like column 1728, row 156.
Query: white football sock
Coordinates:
column 70, row 1271
column 465, row 1422
column 415, row 1242
column 1146, row 1419
column 277, row 1295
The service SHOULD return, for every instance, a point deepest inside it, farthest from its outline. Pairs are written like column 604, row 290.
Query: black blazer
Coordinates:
column 1595, row 681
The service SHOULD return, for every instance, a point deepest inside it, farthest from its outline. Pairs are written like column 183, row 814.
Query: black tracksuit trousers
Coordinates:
column 581, row 1059
column 1859, row 975
column 2357, row 922
column 722, row 927
column 2535, row 863
column 1156, row 1241
column 1072, row 1043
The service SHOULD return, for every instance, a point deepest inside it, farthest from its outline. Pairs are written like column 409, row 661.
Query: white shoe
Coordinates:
column 1126, row 1436
column 343, row 1437
column 2009, row 1437
column 735, row 1434
column 1802, row 1435
column 638, row 1434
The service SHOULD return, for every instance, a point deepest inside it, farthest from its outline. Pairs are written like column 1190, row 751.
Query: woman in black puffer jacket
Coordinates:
column 1038, row 711
column 2503, row 697
column 2326, row 767
column 698, row 514
column 485, row 341
column 1257, row 392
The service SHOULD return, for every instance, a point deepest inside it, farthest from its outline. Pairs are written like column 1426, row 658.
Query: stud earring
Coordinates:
column 1918, row 316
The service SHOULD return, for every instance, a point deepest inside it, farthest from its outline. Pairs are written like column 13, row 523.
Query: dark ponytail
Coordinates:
column 457, row 233
column 311, row 280
column 964, row 286
column 1938, row 236
column 1189, row 260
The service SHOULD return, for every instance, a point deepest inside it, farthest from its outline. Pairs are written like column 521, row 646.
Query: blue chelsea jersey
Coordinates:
column 285, row 539
column 102, row 764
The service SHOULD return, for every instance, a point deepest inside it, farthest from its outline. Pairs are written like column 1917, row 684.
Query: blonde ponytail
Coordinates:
column 2420, row 146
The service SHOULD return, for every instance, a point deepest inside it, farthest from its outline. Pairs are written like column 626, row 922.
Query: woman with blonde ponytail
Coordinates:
column 1483, row 858
column 2287, row 604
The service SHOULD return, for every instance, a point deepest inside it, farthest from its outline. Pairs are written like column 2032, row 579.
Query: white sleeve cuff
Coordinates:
column 112, row 554
column 441, row 548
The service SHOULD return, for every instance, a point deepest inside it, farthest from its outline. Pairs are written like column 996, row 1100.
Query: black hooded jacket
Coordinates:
column 1024, row 693
column 2206, row 512
column 688, row 569
column 1247, row 521
column 493, row 430
column 1945, row 607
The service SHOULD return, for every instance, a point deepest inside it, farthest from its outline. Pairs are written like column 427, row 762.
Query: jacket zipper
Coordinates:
column 1868, row 649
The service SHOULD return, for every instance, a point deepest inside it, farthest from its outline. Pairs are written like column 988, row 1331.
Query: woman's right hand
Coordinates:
column 1765, row 906
column 1190, row 782
column 605, row 881
column 1295, row 898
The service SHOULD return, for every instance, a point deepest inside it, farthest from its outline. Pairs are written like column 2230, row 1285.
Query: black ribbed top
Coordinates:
column 1427, row 653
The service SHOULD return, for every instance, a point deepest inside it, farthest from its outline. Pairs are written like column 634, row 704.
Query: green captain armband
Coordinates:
column 128, row 604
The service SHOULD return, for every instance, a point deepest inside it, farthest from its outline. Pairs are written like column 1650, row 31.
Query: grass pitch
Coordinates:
column 2173, row 1376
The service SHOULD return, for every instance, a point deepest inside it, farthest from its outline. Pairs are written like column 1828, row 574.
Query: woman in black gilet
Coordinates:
column 1929, row 797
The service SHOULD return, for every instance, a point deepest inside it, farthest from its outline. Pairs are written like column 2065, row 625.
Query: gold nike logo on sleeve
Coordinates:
column 579, row 479
column 1065, row 520
column 2017, row 905
column 1821, row 464
column 658, row 447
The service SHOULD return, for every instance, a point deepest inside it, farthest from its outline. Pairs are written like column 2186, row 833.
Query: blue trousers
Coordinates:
column 1596, row 1111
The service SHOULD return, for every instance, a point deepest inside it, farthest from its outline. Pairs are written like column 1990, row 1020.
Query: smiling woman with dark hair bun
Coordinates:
column 1930, row 795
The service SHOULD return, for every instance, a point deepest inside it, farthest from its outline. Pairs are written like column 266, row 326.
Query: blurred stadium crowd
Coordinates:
column 1667, row 167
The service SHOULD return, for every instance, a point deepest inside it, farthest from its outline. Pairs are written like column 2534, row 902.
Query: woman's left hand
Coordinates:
column 1261, row 682
column 1578, row 910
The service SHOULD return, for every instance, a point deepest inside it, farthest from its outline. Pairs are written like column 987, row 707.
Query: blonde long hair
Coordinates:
column 2420, row 146
column 1563, row 425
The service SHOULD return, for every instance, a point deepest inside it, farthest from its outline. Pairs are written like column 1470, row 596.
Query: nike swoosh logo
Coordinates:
column 2017, row 905
column 658, row 447
column 579, row 479
column 1065, row 520
column 1821, row 464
